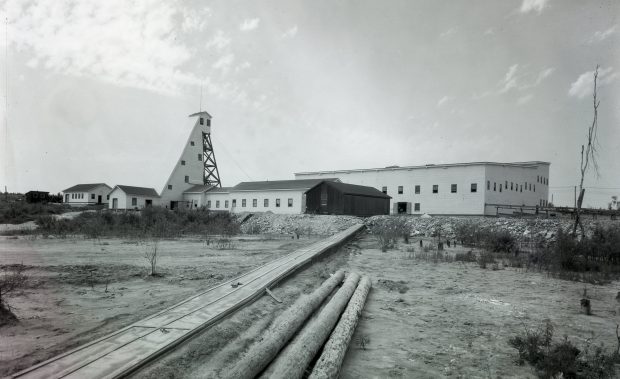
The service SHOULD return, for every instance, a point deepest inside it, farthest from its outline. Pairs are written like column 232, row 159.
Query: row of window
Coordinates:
column 77, row 195
column 417, row 189
column 542, row 180
column 516, row 187
column 244, row 203
column 544, row 203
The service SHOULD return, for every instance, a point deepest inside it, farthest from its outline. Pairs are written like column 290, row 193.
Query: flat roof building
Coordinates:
column 475, row 188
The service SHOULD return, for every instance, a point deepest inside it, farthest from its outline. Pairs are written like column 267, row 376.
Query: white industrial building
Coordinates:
column 129, row 197
column 478, row 188
column 86, row 194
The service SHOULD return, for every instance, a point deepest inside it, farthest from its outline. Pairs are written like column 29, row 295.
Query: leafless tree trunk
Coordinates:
column 151, row 256
column 8, row 283
column 588, row 153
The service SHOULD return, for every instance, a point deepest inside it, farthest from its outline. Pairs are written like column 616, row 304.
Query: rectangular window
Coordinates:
column 202, row 121
column 277, row 203
column 217, row 203
column 506, row 186
column 511, row 186
column 500, row 187
column 208, row 203
column 255, row 203
column 530, row 186
column 182, row 163
column 234, row 203
column 243, row 203
column 266, row 203
column 494, row 186
column 92, row 196
column 474, row 187
column 417, row 190
column 384, row 190
column 208, row 122
column 435, row 188
column 521, row 188
column 134, row 201
column 107, row 197
column 416, row 207
column 453, row 188
column 169, row 186
column 226, row 204
column 534, row 187
column 537, row 179
column 191, row 143
column 400, row 190
column 488, row 185
column 186, row 178
column 290, row 202
column 73, row 196
column 200, row 157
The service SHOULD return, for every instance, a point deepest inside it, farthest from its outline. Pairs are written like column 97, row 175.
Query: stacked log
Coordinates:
column 329, row 363
column 293, row 362
column 282, row 330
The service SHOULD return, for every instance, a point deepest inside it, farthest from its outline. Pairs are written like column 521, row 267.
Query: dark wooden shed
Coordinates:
column 331, row 197
column 37, row 197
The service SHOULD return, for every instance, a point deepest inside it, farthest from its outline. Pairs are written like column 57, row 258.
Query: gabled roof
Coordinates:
column 201, row 113
column 85, row 187
column 199, row 188
column 139, row 191
column 354, row 189
column 296, row 184
column 220, row 189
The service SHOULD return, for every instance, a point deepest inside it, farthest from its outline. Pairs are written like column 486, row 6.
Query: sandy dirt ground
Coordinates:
column 66, row 302
column 431, row 320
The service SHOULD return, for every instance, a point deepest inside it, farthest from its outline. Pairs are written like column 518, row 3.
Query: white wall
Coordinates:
column 444, row 202
column 84, row 198
column 125, row 200
column 193, row 167
column 298, row 197
column 194, row 200
column 524, row 177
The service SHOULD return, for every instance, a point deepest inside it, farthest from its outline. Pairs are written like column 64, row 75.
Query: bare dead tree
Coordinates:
column 150, row 254
column 588, row 155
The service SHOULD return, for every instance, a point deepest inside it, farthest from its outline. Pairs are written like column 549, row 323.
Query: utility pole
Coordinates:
column 575, row 196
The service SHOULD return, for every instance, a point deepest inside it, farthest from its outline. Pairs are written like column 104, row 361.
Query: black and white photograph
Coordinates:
column 310, row 189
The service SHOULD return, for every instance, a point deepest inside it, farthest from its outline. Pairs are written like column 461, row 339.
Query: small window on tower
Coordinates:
column 169, row 186
column 200, row 157
column 191, row 143
column 186, row 178
column 202, row 121
column 208, row 122
column 182, row 163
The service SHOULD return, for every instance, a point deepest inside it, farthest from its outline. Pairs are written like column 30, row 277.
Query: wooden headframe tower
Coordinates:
column 211, row 175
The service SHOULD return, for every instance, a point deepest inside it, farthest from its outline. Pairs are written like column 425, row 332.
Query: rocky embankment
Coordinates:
column 521, row 228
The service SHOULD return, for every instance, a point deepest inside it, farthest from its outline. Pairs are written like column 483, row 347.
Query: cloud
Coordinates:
column 533, row 6
column 291, row 33
column 600, row 36
column 224, row 62
column 489, row 32
column 249, row 24
column 544, row 74
column 443, row 100
column 132, row 44
column 447, row 33
column 524, row 99
column 220, row 40
column 510, row 80
column 584, row 84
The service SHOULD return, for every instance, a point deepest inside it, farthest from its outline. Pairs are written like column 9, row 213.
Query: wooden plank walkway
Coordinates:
column 120, row 353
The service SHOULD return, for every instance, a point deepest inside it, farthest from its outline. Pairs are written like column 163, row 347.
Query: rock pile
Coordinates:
column 302, row 224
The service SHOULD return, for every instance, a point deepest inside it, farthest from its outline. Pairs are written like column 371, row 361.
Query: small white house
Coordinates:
column 128, row 197
column 86, row 194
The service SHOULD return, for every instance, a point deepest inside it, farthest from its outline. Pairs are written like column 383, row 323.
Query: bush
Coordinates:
column 388, row 230
column 465, row 257
column 561, row 359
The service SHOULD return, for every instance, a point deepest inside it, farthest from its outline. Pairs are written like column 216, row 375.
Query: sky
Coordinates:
column 100, row 91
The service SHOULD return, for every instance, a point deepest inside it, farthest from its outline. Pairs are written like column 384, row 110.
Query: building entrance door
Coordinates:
column 99, row 199
column 114, row 203
column 402, row 208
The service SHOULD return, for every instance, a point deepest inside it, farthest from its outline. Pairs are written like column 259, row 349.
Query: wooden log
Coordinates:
column 292, row 363
column 330, row 361
column 283, row 328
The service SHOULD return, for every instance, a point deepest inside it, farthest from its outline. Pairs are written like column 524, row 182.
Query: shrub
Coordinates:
column 561, row 359
column 485, row 258
column 465, row 257
column 387, row 231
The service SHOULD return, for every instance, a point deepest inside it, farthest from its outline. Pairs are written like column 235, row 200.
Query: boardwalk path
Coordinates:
column 120, row 353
